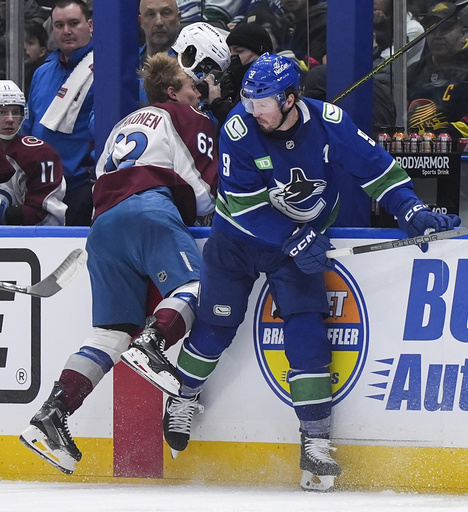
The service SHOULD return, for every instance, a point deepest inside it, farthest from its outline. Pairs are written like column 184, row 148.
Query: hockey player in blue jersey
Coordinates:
column 281, row 158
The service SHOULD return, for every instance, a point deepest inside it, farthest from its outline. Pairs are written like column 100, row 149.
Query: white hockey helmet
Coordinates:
column 201, row 49
column 11, row 94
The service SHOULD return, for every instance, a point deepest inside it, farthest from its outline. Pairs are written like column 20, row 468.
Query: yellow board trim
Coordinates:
column 410, row 469
column 19, row 463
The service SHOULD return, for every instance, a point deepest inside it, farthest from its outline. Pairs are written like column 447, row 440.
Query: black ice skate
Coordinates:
column 48, row 435
column 147, row 358
column 178, row 422
column 319, row 468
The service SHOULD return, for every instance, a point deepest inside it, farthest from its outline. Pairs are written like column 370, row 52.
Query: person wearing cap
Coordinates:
column 247, row 41
column 438, row 82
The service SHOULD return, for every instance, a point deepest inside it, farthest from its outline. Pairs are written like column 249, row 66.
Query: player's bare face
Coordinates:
column 11, row 117
column 188, row 94
column 71, row 28
column 159, row 20
column 270, row 116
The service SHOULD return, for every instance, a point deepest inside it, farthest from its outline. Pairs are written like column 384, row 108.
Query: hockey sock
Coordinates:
column 84, row 370
column 194, row 367
column 311, row 394
column 77, row 388
column 175, row 315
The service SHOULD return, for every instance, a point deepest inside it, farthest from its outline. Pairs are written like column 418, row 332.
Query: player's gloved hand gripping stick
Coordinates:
column 393, row 244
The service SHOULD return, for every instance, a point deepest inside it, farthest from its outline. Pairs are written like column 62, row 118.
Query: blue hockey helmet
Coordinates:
column 270, row 75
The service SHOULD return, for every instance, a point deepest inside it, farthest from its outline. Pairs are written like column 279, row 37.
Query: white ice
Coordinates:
column 65, row 497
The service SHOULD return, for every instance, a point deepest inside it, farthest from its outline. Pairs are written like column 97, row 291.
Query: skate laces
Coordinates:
column 154, row 341
column 319, row 449
column 65, row 430
column 181, row 411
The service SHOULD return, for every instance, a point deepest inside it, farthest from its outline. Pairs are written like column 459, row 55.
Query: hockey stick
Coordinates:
column 393, row 244
column 53, row 283
column 458, row 7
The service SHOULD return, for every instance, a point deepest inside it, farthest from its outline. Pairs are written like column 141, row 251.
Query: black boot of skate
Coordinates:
column 48, row 435
column 147, row 358
column 177, row 422
column 319, row 468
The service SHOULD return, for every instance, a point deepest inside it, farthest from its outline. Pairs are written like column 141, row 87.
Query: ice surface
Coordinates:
column 65, row 497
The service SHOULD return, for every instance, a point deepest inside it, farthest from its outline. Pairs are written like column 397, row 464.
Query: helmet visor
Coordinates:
column 260, row 105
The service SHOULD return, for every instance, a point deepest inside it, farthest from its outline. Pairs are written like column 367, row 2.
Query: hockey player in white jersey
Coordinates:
column 281, row 158
column 156, row 175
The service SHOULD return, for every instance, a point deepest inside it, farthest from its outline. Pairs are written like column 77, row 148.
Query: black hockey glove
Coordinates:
column 308, row 249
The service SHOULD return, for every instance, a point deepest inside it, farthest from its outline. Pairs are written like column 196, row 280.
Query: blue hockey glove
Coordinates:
column 421, row 220
column 308, row 249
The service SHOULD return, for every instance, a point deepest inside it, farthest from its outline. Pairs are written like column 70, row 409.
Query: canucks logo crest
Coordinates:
column 300, row 199
column 347, row 328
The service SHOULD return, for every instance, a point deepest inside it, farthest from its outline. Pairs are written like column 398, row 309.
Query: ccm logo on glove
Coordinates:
column 309, row 250
column 303, row 243
column 415, row 209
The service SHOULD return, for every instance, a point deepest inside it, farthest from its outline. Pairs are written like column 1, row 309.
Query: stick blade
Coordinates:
column 60, row 277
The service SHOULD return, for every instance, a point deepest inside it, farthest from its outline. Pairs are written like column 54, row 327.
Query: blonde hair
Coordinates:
column 160, row 73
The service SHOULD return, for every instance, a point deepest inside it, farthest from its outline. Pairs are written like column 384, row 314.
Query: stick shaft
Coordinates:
column 399, row 52
column 394, row 244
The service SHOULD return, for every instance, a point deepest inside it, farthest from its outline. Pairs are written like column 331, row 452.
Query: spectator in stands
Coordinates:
column 219, row 13
column 296, row 25
column 32, row 185
column 247, row 41
column 383, row 30
column 61, row 100
column 383, row 105
column 159, row 20
column 33, row 12
column 438, row 82
column 138, row 236
column 35, row 51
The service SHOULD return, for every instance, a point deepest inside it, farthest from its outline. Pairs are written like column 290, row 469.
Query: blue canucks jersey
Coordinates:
column 271, row 183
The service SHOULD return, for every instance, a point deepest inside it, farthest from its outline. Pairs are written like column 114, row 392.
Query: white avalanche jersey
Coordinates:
column 165, row 144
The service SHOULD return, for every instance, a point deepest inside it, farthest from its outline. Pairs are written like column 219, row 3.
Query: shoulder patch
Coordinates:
column 264, row 163
column 332, row 113
column 31, row 141
column 235, row 128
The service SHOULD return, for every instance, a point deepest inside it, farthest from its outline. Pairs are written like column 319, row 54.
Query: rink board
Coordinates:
column 398, row 327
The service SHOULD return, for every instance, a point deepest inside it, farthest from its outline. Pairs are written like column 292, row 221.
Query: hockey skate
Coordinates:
column 319, row 468
column 48, row 435
column 178, row 422
column 147, row 358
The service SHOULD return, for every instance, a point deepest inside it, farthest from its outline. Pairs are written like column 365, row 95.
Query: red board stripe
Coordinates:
column 138, row 437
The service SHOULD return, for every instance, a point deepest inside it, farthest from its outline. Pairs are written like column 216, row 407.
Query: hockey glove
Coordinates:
column 421, row 220
column 308, row 249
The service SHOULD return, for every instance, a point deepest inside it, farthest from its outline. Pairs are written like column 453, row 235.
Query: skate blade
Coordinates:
column 36, row 441
column 164, row 380
column 174, row 453
column 317, row 483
